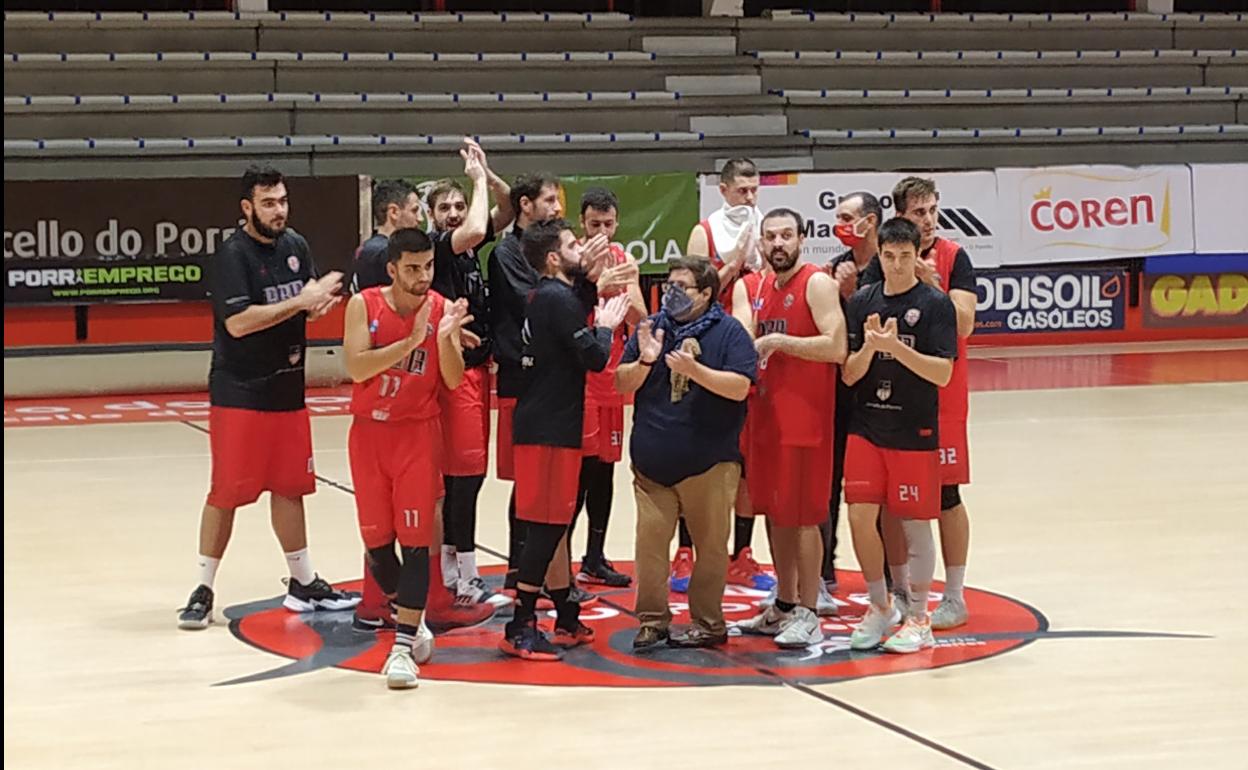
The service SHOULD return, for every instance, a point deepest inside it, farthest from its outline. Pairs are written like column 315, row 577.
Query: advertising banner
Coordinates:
column 968, row 206
column 1058, row 300
column 657, row 211
column 1217, row 201
column 1086, row 213
column 1195, row 299
column 144, row 240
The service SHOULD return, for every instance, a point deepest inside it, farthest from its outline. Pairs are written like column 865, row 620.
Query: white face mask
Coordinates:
column 738, row 215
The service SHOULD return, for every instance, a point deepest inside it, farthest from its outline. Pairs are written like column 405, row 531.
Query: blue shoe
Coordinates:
column 744, row 571
column 682, row 570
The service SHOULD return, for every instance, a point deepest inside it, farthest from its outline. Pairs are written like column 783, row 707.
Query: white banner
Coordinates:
column 968, row 202
column 1085, row 213
column 1217, row 194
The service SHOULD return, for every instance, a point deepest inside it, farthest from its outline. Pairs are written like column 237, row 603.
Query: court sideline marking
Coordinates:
column 798, row 686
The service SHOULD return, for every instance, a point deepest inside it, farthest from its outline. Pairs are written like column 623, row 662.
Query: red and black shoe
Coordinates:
column 566, row 638
column 526, row 642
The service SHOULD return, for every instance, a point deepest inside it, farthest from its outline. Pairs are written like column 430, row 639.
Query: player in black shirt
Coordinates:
column 264, row 290
column 396, row 205
column 534, row 198
column 459, row 229
column 559, row 348
column 903, row 340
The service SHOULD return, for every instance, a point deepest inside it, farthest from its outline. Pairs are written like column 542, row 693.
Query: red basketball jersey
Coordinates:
column 797, row 397
column 955, row 396
column 725, row 291
column 409, row 389
column 600, row 386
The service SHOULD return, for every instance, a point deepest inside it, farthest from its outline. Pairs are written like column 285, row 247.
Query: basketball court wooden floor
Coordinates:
column 1109, row 552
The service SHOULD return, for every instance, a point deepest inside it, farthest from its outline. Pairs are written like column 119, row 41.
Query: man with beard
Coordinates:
column 604, row 406
column 264, row 291
column 944, row 265
column 396, row 205
column 399, row 364
column 903, row 334
column 801, row 339
column 559, row 349
column 729, row 239
column 459, row 229
column 534, row 198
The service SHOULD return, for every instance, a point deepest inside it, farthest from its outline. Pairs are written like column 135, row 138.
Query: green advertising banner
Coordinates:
column 657, row 211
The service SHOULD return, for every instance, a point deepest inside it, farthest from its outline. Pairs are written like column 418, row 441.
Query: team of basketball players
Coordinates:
column 862, row 377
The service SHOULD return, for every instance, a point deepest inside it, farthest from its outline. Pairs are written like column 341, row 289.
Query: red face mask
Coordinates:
column 847, row 234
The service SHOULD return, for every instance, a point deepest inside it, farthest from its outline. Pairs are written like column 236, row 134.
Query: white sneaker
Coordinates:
column 766, row 623
column 799, row 630
column 825, row 606
column 950, row 613
column 915, row 635
column 401, row 671
column 422, row 650
column 874, row 628
column 475, row 591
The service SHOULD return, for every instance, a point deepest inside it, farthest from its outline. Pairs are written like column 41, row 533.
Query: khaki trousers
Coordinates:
column 706, row 503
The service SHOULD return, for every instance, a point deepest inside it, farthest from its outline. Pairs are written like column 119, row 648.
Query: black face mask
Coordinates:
column 677, row 303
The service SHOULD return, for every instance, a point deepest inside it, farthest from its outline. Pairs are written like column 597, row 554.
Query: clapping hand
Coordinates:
column 611, row 311
column 649, row 342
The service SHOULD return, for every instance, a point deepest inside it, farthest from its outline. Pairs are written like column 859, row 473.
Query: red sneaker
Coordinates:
column 442, row 616
column 744, row 571
column 565, row 638
column 682, row 570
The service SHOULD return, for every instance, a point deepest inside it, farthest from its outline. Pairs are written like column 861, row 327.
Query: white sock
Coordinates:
column 300, row 566
column 878, row 591
column 450, row 567
column 953, row 582
column 207, row 569
column 901, row 576
column 467, row 565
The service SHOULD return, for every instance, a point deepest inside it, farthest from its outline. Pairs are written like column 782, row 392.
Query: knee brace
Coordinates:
column 922, row 549
column 414, row 578
column 384, row 565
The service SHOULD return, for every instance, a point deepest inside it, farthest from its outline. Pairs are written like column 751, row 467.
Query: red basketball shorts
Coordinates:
column 603, row 434
column 504, row 450
column 547, row 479
column 955, row 457
column 255, row 452
column 397, row 471
column 792, row 485
column 466, row 424
column 906, row 482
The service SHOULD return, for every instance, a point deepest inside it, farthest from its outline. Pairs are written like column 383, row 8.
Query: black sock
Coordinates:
column 743, row 535
column 567, row 613
column 405, row 635
column 598, row 496
column 784, row 606
column 526, row 605
column 686, row 540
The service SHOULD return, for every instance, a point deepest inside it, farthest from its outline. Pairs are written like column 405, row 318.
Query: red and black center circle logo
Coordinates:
column 998, row 624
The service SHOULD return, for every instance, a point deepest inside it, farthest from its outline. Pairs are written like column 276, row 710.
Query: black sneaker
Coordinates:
column 600, row 571
column 317, row 595
column 197, row 613
column 524, row 640
column 580, row 596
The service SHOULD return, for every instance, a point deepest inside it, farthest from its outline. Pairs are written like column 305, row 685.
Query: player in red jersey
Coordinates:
column 603, row 439
column 801, row 339
column 903, row 339
column 402, row 347
column 943, row 265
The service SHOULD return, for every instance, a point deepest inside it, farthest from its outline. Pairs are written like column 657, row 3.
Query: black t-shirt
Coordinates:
column 369, row 265
column 895, row 408
column 961, row 277
column 559, row 349
column 459, row 276
column 512, row 279
column 264, row 370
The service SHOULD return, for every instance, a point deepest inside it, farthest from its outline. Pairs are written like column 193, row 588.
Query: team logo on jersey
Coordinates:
column 414, row 362
column 316, row 640
column 374, row 325
column 293, row 263
column 884, row 390
column 788, row 301
column 913, row 315
column 295, row 354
